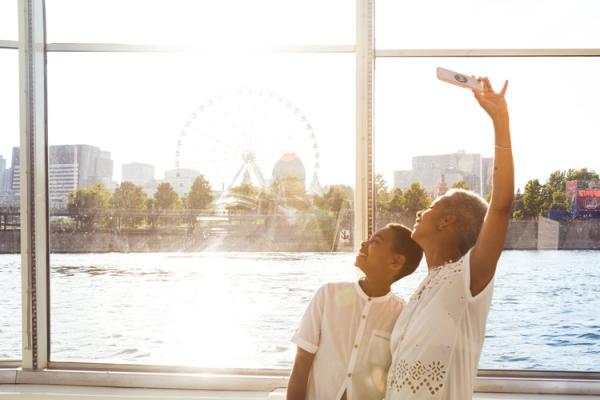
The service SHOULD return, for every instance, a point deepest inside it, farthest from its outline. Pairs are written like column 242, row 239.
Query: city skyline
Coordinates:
column 140, row 102
column 535, row 156
column 427, row 169
column 75, row 166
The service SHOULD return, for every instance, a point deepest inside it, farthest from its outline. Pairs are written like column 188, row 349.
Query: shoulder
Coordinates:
column 332, row 288
column 397, row 302
column 336, row 285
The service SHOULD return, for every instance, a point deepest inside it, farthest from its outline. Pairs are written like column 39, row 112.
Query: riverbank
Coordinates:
column 522, row 235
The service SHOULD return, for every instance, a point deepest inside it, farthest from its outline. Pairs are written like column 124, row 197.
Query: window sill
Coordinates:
column 42, row 392
column 266, row 383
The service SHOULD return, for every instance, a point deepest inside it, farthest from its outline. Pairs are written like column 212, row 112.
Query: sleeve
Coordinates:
column 308, row 334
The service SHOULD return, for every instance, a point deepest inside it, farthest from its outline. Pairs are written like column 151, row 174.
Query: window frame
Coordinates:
column 37, row 368
column 9, row 45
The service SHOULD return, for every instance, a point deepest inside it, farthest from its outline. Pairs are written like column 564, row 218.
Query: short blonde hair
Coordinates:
column 469, row 209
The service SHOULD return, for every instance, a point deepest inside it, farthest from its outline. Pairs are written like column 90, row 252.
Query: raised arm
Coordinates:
column 489, row 245
column 299, row 378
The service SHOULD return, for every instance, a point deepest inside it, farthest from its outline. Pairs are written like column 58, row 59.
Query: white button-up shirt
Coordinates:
column 350, row 334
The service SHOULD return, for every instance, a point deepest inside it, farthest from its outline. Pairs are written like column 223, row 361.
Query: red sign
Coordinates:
column 588, row 193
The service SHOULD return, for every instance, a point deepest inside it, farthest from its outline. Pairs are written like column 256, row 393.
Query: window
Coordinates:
column 201, row 187
column 435, row 134
column 8, row 20
column 493, row 24
column 10, row 259
column 207, row 24
column 188, row 283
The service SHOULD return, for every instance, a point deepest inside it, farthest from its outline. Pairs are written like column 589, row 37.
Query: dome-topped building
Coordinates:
column 289, row 165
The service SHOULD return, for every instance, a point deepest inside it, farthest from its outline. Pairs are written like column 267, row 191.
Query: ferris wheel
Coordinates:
column 239, row 135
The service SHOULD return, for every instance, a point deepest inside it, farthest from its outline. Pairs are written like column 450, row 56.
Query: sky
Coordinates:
column 137, row 105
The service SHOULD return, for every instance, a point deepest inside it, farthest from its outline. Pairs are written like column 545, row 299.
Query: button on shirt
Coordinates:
column 437, row 341
column 350, row 334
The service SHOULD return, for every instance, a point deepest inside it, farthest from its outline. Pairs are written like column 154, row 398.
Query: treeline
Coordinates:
column 90, row 206
column 536, row 199
column 407, row 202
column 129, row 206
column 539, row 198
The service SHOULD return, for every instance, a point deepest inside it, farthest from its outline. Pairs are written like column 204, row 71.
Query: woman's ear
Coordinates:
column 398, row 262
column 446, row 220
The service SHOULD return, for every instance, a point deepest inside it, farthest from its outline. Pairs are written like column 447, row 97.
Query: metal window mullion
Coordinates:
column 152, row 48
column 33, row 175
column 9, row 44
column 363, row 194
column 590, row 52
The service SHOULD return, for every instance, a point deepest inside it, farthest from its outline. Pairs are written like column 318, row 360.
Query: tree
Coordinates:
column 289, row 191
column 382, row 195
column 85, row 203
column 460, row 185
column 243, row 198
column 151, row 212
column 128, row 197
column 396, row 203
column 336, row 198
column 200, row 195
column 581, row 174
column 517, row 206
column 165, row 197
column 555, row 184
column 416, row 198
column 560, row 202
column 532, row 199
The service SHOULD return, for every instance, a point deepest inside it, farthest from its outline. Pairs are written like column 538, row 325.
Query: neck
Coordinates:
column 373, row 287
column 440, row 255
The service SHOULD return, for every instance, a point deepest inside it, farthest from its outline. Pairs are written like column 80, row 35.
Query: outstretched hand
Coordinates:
column 493, row 103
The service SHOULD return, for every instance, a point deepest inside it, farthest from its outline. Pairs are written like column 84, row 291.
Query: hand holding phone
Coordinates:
column 458, row 79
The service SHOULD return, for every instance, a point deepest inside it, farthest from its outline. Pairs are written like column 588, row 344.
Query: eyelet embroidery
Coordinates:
column 416, row 376
column 441, row 274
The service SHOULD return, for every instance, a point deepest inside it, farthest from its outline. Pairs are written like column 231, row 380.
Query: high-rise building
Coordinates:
column 70, row 167
column 138, row 173
column 487, row 173
column 470, row 168
column 3, row 175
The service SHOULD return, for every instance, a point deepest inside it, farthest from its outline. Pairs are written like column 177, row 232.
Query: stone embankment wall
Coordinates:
column 522, row 235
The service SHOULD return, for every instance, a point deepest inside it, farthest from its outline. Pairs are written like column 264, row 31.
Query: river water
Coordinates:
column 239, row 310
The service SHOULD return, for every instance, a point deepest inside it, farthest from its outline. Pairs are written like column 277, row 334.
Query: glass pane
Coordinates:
column 544, row 314
column 8, row 20
column 10, row 259
column 473, row 24
column 197, row 203
column 224, row 23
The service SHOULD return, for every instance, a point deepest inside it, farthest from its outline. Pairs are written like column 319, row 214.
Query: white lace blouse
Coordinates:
column 436, row 342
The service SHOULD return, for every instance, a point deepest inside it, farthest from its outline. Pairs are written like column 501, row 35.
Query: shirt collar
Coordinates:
column 364, row 296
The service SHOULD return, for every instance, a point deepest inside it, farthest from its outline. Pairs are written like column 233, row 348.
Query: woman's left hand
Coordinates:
column 493, row 103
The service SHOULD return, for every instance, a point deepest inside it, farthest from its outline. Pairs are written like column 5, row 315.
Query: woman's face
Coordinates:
column 376, row 253
column 427, row 222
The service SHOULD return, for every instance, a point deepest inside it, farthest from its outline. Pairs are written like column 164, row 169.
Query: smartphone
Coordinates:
column 458, row 79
